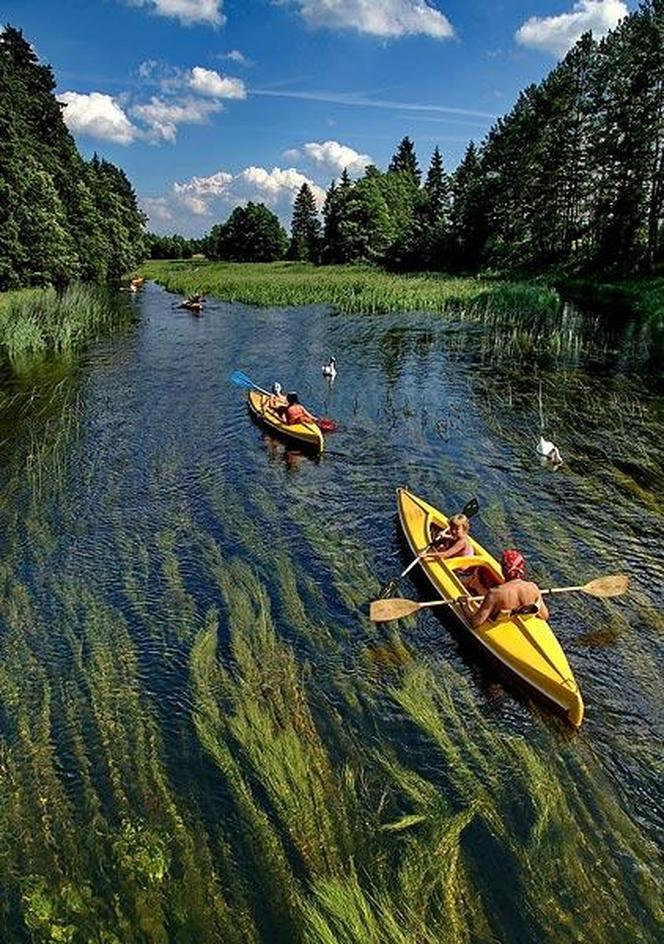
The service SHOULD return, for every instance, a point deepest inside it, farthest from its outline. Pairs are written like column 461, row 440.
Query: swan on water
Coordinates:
column 330, row 370
column 549, row 451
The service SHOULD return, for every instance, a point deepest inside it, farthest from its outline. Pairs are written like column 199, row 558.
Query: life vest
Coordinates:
column 296, row 413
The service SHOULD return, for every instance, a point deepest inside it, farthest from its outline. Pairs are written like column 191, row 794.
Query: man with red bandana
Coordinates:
column 514, row 594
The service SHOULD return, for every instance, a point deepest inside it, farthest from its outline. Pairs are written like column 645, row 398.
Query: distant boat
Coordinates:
column 193, row 303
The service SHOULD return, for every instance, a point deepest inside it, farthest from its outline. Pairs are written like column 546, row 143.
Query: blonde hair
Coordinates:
column 462, row 522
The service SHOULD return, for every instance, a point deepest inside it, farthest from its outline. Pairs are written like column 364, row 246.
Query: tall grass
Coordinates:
column 37, row 321
column 347, row 288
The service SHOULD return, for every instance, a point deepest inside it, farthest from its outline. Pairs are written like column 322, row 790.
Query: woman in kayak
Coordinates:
column 293, row 411
column 277, row 398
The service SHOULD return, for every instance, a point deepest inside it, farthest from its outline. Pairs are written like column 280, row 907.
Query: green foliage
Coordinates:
column 36, row 321
column 61, row 218
column 306, row 233
column 350, row 288
column 252, row 233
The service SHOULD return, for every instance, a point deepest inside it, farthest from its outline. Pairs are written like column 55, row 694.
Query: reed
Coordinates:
column 348, row 288
column 39, row 321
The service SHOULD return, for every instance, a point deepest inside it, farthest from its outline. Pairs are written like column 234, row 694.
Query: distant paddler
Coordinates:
column 193, row 302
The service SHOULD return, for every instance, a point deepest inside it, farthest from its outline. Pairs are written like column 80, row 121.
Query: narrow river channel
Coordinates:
column 202, row 737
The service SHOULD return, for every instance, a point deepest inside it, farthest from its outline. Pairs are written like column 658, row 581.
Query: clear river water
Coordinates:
column 202, row 736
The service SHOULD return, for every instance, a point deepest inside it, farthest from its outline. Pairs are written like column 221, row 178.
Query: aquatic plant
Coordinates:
column 38, row 321
column 349, row 288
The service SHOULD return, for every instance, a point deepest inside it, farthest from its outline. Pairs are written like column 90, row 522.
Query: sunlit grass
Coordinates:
column 347, row 288
column 38, row 321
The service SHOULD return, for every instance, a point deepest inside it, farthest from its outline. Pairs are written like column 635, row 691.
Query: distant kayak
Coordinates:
column 524, row 645
column 306, row 433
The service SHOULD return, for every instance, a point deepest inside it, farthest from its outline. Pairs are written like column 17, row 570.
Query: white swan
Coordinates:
column 330, row 370
column 549, row 451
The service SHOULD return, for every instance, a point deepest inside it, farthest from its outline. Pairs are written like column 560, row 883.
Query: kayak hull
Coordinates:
column 307, row 434
column 524, row 646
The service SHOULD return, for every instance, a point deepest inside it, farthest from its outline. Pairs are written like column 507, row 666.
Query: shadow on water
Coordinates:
column 202, row 737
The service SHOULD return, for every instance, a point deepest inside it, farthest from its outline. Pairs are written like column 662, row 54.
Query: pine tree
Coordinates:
column 437, row 191
column 405, row 161
column 306, row 234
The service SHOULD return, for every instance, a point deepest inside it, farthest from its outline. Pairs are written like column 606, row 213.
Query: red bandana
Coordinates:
column 514, row 566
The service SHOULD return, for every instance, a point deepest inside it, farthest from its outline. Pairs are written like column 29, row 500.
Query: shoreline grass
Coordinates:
column 38, row 321
column 348, row 288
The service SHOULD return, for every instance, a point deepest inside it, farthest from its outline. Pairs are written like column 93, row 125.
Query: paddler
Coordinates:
column 293, row 412
column 453, row 541
column 277, row 398
column 512, row 595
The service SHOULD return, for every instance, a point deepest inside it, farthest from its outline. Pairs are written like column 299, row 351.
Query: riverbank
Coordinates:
column 643, row 295
column 347, row 288
column 36, row 321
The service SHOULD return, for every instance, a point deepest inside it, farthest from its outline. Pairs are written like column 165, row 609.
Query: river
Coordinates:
column 202, row 737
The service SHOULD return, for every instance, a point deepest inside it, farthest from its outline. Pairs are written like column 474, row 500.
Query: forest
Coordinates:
column 571, row 180
column 62, row 218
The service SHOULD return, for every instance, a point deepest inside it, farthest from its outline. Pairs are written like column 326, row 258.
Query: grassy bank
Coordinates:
column 37, row 321
column 644, row 295
column 347, row 288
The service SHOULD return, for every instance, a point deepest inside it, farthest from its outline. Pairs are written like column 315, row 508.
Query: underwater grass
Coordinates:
column 347, row 288
column 39, row 321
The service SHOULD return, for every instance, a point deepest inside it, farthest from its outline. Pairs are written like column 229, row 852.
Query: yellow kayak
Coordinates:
column 307, row 433
column 525, row 645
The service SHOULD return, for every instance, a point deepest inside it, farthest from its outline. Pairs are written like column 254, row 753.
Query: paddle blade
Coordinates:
column 327, row 425
column 613, row 586
column 240, row 379
column 471, row 508
column 380, row 611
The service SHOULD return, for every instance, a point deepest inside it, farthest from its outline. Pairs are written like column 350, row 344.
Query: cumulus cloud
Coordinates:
column 187, row 12
column 337, row 157
column 157, row 209
column 557, row 34
column 277, row 188
column 98, row 116
column 208, row 82
column 387, row 18
column 163, row 117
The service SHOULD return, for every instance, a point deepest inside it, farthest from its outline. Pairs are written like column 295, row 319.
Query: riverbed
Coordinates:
column 202, row 737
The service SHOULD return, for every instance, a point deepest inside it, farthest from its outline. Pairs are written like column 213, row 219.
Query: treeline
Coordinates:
column 572, row 178
column 61, row 217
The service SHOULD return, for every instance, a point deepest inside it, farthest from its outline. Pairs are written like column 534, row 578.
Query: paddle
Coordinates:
column 470, row 509
column 240, row 379
column 380, row 611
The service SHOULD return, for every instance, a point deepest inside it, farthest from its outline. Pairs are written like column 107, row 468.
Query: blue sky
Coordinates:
column 208, row 103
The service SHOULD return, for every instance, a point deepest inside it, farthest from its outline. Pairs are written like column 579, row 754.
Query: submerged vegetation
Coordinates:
column 201, row 737
column 348, row 288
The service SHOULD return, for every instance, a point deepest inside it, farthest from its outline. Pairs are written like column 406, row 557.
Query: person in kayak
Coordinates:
column 512, row 595
column 277, row 398
column 293, row 411
column 452, row 541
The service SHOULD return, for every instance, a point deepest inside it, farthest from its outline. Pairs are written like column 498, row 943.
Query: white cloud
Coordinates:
column 387, row 18
column 208, row 82
column 277, row 188
column 164, row 117
column 157, row 209
column 234, row 55
column 98, row 116
column 186, row 11
column 337, row 157
column 557, row 34
column 292, row 155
